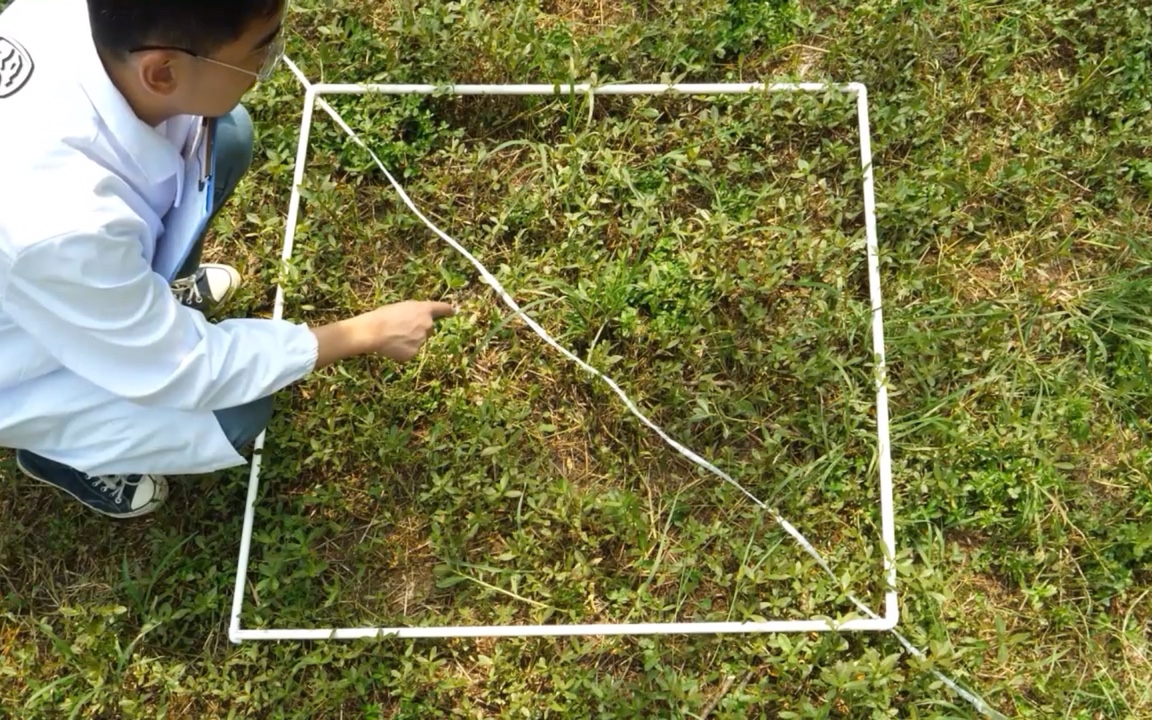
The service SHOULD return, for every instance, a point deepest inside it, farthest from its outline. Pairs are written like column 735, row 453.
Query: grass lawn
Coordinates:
column 707, row 254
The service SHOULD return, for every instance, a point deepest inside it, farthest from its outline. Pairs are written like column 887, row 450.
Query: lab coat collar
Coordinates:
column 155, row 157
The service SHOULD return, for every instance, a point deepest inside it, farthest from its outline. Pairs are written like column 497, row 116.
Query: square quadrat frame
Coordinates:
column 876, row 623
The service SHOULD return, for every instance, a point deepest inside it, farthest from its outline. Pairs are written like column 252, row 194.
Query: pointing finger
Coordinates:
column 441, row 310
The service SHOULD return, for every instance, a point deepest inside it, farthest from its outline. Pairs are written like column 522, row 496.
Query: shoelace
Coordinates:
column 114, row 485
column 186, row 290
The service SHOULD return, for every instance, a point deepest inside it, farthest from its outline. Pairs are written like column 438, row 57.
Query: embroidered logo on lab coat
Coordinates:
column 15, row 67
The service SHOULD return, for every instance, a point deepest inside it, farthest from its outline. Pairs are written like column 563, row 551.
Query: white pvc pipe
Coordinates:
column 294, row 201
column 476, row 631
column 580, row 89
column 874, row 622
column 277, row 313
column 547, row 338
column 887, row 511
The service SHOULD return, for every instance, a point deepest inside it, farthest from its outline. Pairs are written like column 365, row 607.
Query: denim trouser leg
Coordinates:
column 243, row 424
column 235, row 140
column 234, row 145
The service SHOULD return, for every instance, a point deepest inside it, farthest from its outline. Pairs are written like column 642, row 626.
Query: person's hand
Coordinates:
column 398, row 331
column 394, row 331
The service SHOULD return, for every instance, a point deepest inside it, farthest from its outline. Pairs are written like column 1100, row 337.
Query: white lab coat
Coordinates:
column 101, row 368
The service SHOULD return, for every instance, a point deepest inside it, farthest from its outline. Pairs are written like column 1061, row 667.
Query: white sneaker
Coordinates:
column 209, row 288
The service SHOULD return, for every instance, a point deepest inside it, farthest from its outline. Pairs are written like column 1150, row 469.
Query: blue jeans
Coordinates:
column 235, row 140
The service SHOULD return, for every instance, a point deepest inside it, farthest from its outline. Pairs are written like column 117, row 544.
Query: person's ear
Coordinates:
column 158, row 71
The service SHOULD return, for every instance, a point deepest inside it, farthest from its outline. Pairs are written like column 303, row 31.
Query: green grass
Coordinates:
column 708, row 254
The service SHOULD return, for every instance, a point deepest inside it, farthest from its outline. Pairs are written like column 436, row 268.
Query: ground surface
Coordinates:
column 708, row 254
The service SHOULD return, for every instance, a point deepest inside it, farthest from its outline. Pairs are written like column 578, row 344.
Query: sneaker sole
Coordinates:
column 161, row 493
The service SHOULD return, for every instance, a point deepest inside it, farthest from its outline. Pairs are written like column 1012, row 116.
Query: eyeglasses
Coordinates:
column 275, row 53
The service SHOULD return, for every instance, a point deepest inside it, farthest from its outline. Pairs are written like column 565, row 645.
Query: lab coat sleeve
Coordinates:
column 92, row 299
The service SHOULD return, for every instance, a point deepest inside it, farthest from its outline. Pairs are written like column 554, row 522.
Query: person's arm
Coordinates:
column 394, row 331
column 94, row 302
column 336, row 342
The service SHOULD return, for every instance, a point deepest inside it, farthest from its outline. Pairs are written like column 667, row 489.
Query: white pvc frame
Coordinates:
column 875, row 623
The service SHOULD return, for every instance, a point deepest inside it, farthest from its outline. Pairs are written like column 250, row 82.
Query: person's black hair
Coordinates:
column 199, row 26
